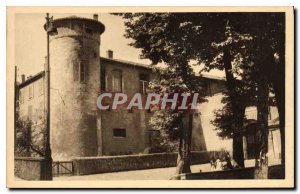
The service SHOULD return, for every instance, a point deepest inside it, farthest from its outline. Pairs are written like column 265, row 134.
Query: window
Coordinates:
column 144, row 82
column 21, row 96
column 79, row 71
column 41, row 87
column 103, row 79
column 117, row 81
column 31, row 91
column 30, row 113
column 117, row 132
column 75, row 70
column 82, row 72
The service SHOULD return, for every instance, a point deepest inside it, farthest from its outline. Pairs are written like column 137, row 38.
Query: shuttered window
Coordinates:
column 117, row 81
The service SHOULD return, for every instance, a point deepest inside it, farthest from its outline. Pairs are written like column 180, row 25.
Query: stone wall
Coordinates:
column 93, row 165
column 28, row 168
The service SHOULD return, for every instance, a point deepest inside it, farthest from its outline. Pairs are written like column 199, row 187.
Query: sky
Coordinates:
column 30, row 44
column 30, row 41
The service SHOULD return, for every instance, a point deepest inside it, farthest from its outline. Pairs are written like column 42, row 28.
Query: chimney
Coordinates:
column 23, row 78
column 110, row 54
column 95, row 16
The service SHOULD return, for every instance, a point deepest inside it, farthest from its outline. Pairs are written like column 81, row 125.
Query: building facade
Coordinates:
column 78, row 76
column 116, row 132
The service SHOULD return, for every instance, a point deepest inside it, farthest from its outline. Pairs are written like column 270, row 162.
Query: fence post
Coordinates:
column 72, row 168
column 57, row 168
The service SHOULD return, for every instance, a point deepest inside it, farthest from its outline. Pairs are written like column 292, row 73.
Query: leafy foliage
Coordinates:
column 248, row 46
column 29, row 142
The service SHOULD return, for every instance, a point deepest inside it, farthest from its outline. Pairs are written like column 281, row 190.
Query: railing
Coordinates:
column 62, row 168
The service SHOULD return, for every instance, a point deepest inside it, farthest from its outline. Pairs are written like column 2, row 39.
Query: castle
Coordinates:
column 78, row 76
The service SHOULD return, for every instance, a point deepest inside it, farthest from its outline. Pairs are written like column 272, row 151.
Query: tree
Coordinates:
column 162, row 38
column 29, row 141
column 256, row 43
column 238, row 43
column 175, row 124
column 267, row 45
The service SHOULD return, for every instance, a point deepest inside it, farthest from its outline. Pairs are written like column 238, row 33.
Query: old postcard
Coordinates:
column 150, row 97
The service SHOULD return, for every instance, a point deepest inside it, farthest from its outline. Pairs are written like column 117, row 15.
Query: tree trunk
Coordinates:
column 238, row 110
column 237, row 140
column 183, row 159
column 261, row 158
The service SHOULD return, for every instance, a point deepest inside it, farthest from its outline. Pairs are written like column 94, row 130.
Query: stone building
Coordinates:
column 78, row 76
column 31, row 103
column 110, row 132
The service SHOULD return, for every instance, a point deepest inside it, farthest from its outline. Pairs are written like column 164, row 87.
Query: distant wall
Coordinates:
column 28, row 168
column 275, row 172
column 93, row 165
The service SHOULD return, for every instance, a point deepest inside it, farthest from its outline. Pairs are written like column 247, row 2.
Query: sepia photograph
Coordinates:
column 150, row 97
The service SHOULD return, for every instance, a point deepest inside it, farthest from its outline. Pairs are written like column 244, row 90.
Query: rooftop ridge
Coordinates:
column 127, row 62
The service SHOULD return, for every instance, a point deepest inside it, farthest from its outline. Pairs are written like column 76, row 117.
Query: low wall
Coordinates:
column 275, row 172
column 93, row 165
column 28, row 168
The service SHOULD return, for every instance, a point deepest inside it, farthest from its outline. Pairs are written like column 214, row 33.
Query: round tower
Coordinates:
column 75, row 84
